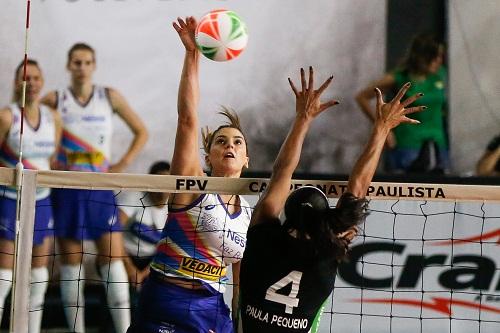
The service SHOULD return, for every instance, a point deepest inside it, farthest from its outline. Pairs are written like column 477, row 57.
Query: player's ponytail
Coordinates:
column 310, row 217
column 350, row 212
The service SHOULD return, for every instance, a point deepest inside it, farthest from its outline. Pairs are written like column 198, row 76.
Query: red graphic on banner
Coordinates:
column 437, row 304
column 492, row 235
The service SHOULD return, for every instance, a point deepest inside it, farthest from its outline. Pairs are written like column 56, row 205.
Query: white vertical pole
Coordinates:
column 22, row 255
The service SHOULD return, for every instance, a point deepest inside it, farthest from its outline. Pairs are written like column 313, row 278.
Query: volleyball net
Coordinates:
column 426, row 259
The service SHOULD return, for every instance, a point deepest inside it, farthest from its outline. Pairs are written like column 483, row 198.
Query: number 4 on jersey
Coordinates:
column 290, row 301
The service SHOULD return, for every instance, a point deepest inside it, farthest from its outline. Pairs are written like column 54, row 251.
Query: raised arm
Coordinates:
column 308, row 106
column 388, row 116
column 186, row 159
column 134, row 123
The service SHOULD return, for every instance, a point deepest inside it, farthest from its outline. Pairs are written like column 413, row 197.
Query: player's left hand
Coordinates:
column 393, row 113
column 308, row 104
column 186, row 29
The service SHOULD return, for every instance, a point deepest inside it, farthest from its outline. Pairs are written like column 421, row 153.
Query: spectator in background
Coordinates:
column 143, row 215
column 489, row 163
column 420, row 148
column 41, row 136
column 87, row 110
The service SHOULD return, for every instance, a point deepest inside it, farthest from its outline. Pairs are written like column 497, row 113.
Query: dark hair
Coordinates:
column 158, row 167
column 233, row 122
column 307, row 211
column 79, row 47
column 19, row 68
column 422, row 51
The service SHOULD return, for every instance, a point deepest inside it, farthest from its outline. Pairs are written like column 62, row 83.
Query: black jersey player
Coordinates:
column 288, row 270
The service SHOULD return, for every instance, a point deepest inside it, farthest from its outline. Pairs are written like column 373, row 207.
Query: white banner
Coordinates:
column 438, row 261
column 139, row 53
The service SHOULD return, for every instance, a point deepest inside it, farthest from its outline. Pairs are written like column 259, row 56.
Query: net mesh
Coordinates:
column 426, row 259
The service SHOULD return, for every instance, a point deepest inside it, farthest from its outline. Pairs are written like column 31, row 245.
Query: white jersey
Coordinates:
column 200, row 241
column 144, row 225
column 87, row 131
column 38, row 145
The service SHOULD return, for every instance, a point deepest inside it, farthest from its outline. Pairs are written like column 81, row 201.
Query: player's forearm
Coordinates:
column 364, row 169
column 289, row 155
column 140, row 139
column 189, row 91
column 486, row 165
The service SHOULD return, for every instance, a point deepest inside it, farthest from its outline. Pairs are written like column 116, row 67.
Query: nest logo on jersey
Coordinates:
column 200, row 269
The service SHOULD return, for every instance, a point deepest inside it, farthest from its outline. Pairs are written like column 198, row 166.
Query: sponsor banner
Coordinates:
column 421, row 266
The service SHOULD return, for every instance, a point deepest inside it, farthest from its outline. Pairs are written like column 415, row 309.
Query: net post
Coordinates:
column 22, row 255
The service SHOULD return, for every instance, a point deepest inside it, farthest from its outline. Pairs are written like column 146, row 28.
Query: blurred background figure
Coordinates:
column 421, row 148
column 41, row 137
column 489, row 163
column 87, row 110
column 143, row 216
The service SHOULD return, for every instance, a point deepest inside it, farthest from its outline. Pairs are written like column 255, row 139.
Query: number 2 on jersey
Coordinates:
column 290, row 301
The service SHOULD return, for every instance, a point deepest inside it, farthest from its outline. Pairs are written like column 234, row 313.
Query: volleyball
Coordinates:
column 221, row 35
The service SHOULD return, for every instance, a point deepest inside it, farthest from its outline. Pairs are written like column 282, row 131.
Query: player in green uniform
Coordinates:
column 423, row 68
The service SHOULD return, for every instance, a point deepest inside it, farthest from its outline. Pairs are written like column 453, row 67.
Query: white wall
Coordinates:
column 474, row 30
column 139, row 53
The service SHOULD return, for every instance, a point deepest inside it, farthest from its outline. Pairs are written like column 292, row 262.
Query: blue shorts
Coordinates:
column 165, row 307
column 43, row 219
column 84, row 214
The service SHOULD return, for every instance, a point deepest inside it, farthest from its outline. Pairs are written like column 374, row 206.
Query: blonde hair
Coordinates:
column 233, row 121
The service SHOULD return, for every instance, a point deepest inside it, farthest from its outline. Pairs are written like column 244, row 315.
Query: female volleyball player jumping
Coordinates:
column 204, row 233
column 289, row 270
column 87, row 112
column 41, row 136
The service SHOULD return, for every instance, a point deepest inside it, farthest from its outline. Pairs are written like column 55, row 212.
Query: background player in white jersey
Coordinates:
column 87, row 110
column 204, row 233
column 300, row 257
column 41, row 136
column 143, row 215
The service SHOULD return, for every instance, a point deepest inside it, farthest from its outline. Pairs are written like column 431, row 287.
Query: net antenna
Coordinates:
column 19, row 171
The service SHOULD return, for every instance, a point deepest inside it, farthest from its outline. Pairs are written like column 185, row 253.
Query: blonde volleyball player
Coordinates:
column 41, row 136
column 204, row 233
column 86, row 110
column 300, row 257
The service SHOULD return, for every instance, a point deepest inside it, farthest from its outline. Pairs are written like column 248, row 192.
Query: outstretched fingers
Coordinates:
column 191, row 22
column 310, row 87
column 179, row 25
column 176, row 27
column 325, row 85
column 293, row 87
column 402, row 92
column 303, row 79
column 328, row 104
column 415, row 109
column 412, row 99
column 380, row 99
